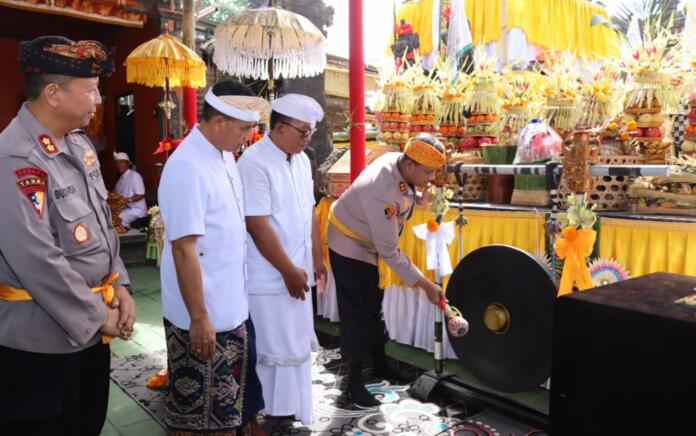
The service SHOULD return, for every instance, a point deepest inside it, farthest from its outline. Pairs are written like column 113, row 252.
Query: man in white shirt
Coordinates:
column 212, row 383
column 284, row 255
column 131, row 187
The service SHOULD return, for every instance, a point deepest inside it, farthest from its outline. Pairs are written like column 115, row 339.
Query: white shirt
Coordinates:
column 201, row 194
column 284, row 192
column 129, row 184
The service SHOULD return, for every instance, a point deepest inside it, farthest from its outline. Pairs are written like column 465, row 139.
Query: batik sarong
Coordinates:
column 219, row 395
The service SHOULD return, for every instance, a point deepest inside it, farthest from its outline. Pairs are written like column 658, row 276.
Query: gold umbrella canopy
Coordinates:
column 269, row 42
column 164, row 61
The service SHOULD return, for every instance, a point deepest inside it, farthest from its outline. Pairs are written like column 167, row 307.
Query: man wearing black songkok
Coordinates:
column 63, row 287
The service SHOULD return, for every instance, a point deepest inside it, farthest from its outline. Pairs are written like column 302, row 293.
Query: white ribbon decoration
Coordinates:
column 437, row 254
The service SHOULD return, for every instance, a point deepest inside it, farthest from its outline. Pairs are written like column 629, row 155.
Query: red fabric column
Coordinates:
column 356, row 71
column 190, row 107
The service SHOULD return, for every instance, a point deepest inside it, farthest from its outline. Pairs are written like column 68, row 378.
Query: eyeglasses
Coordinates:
column 304, row 133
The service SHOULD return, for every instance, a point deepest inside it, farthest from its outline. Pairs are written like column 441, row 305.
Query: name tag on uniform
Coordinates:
column 64, row 192
column 94, row 174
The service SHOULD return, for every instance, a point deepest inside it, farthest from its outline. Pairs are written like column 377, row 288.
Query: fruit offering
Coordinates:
column 537, row 142
column 482, row 125
column 688, row 147
column 483, row 103
column 452, row 121
column 644, row 129
column 426, row 104
column 652, row 62
column 395, row 104
column 394, row 128
column 423, row 122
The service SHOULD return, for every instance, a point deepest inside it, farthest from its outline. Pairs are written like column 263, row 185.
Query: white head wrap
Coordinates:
column 121, row 156
column 240, row 107
column 299, row 107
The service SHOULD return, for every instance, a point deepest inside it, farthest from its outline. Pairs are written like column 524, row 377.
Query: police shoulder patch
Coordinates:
column 30, row 171
column 32, row 184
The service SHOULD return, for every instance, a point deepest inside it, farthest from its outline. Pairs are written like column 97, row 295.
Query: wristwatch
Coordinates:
column 129, row 287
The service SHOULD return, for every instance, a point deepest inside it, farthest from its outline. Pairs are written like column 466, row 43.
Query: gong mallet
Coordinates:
column 456, row 325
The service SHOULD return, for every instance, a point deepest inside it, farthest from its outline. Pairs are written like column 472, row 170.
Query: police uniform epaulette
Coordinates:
column 16, row 143
column 78, row 134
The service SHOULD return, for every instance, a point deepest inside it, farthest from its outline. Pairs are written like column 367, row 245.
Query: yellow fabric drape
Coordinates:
column 550, row 24
column 322, row 211
column 484, row 20
column 419, row 14
column 524, row 230
column 645, row 247
column 563, row 25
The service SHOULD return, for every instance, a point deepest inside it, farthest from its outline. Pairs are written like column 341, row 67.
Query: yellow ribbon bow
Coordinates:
column 574, row 246
column 108, row 292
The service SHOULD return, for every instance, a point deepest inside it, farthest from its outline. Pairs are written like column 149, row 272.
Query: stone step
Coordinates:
column 133, row 249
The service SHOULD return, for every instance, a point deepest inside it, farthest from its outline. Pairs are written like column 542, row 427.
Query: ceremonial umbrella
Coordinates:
column 269, row 43
column 165, row 62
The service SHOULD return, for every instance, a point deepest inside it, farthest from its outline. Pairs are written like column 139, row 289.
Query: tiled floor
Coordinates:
column 125, row 417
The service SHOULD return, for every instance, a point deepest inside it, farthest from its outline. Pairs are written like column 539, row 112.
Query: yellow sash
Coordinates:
column 333, row 219
column 9, row 293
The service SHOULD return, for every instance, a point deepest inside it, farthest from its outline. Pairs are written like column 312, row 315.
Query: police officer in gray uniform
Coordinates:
column 64, row 291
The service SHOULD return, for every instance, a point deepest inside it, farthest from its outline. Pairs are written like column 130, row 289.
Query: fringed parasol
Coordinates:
column 163, row 59
column 269, row 43
column 163, row 62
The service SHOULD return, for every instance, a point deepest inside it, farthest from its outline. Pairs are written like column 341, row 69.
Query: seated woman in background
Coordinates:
column 131, row 187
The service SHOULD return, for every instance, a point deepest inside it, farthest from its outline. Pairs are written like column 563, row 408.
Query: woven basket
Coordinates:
column 535, row 197
column 608, row 192
column 475, row 185
column 116, row 204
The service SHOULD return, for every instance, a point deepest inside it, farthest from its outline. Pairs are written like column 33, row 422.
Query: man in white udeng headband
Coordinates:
column 284, row 254
column 212, row 384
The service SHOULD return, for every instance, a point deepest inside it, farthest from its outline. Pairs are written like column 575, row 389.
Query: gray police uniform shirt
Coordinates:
column 57, row 240
column 376, row 207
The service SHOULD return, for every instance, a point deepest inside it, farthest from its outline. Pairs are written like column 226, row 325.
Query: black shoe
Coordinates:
column 388, row 371
column 357, row 391
column 381, row 368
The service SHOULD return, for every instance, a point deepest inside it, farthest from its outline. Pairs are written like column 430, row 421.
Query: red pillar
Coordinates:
column 356, row 71
column 190, row 107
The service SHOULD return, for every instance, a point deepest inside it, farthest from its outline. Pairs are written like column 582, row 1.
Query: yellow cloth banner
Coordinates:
column 484, row 20
column 550, row 24
column 524, row 230
column 419, row 14
column 645, row 247
column 567, row 26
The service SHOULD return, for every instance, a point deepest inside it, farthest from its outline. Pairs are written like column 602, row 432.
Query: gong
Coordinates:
column 507, row 296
